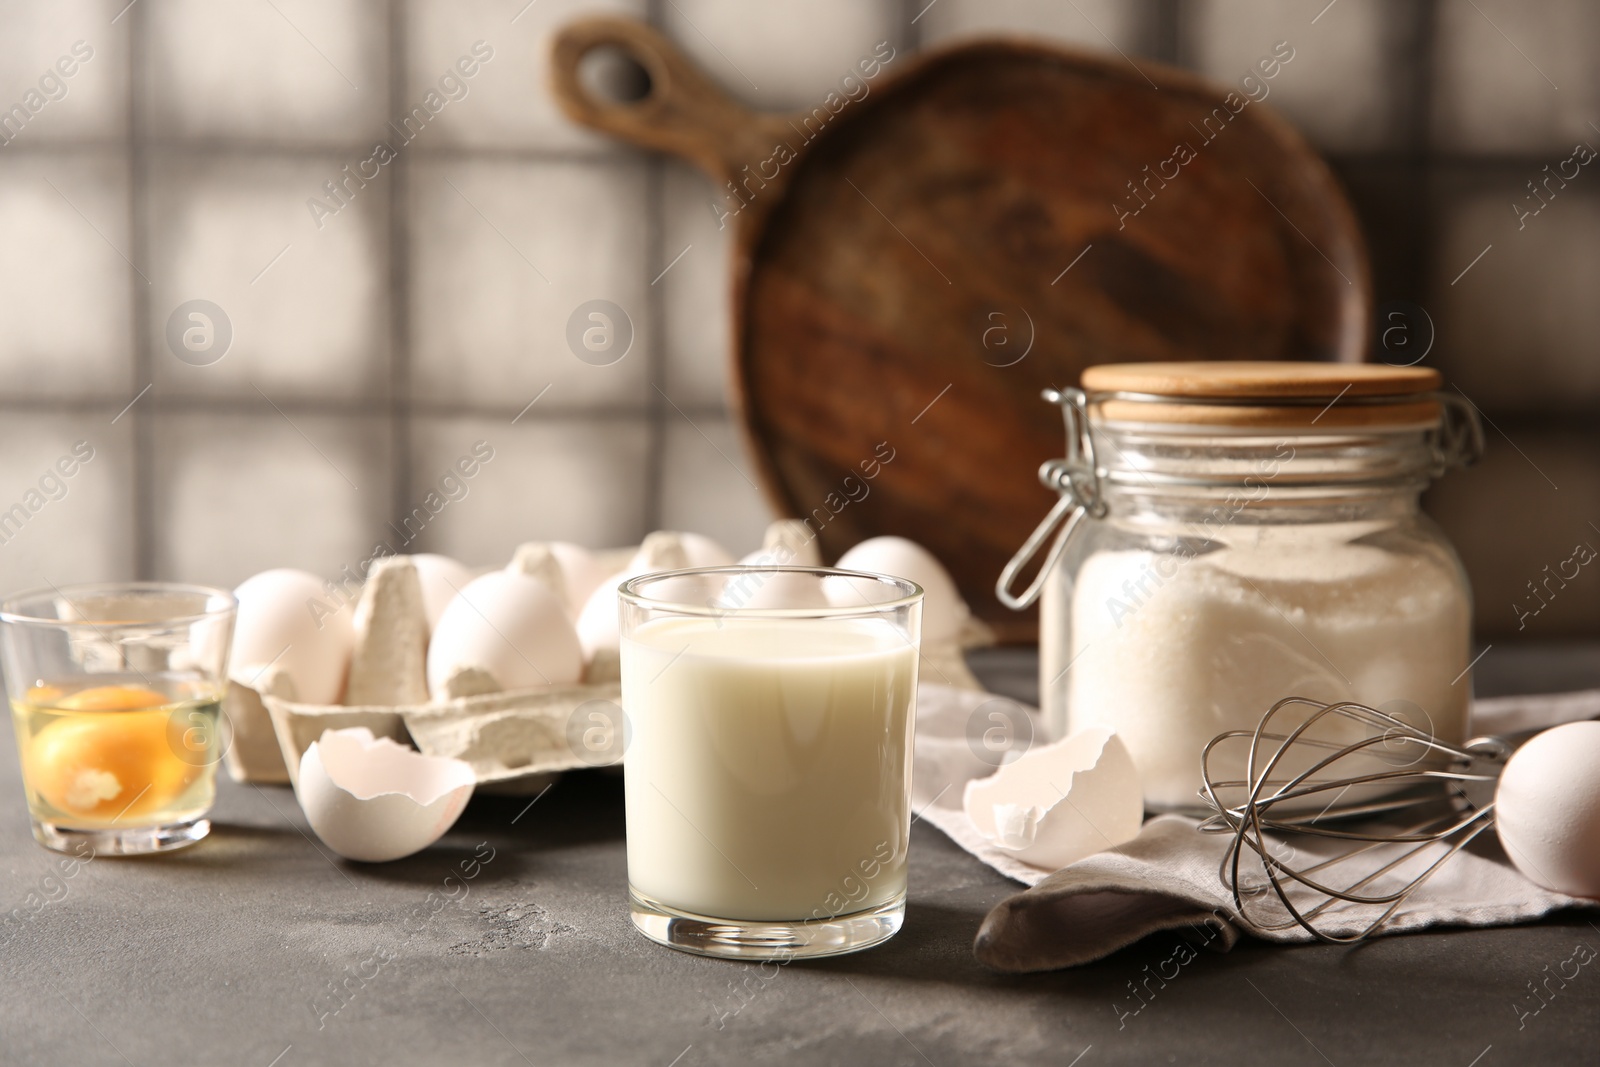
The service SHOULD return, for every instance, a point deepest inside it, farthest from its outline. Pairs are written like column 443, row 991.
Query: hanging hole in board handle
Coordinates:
column 623, row 78
column 605, row 66
column 604, row 70
column 613, row 75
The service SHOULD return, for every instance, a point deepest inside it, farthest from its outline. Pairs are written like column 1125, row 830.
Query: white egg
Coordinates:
column 288, row 619
column 598, row 621
column 375, row 800
column 664, row 550
column 762, row 588
column 704, row 552
column 507, row 626
column 674, row 549
column 1547, row 809
column 787, row 542
column 571, row 571
column 582, row 571
column 441, row 578
column 944, row 613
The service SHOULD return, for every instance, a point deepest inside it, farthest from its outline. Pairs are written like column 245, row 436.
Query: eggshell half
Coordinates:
column 1547, row 809
column 288, row 619
column 374, row 800
column 944, row 613
column 1061, row 802
column 508, row 627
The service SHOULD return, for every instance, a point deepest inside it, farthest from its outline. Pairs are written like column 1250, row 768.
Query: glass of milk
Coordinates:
column 768, row 767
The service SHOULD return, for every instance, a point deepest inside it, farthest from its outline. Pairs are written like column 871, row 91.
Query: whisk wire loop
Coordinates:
column 1288, row 772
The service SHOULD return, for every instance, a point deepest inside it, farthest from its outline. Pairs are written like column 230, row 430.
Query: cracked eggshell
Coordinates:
column 287, row 619
column 441, row 578
column 944, row 613
column 1061, row 802
column 1547, row 809
column 506, row 630
column 374, row 800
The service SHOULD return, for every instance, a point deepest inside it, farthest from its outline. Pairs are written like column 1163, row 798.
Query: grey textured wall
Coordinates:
column 373, row 345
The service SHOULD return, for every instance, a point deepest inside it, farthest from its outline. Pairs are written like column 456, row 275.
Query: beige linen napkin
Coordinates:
column 1168, row 878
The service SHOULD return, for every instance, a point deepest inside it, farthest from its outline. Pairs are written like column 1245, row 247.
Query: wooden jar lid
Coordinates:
column 1315, row 396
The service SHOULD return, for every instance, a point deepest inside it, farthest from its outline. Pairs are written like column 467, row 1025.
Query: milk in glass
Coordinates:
column 768, row 770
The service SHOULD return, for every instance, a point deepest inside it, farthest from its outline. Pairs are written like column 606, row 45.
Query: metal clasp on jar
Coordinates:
column 1458, row 441
column 1077, row 479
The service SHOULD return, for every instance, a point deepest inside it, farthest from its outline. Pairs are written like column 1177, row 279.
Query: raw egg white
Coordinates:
column 509, row 627
column 287, row 618
column 944, row 613
column 1547, row 809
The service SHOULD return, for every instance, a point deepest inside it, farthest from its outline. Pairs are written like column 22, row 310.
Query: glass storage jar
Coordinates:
column 1231, row 534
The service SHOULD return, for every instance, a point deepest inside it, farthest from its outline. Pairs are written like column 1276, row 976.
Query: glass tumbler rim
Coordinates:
column 631, row 591
column 220, row 604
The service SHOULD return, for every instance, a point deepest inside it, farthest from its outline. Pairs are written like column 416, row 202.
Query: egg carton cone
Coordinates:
column 253, row 754
column 296, row 726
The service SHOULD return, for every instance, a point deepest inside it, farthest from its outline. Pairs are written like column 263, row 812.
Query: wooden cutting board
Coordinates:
column 913, row 266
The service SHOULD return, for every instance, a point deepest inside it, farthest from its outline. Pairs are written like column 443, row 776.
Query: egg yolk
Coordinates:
column 114, row 765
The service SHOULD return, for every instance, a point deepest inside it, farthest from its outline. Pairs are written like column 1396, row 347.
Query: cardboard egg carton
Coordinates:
column 507, row 737
column 514, row 740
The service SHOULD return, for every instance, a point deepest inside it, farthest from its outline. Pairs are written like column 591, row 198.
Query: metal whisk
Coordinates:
column 1295, row 781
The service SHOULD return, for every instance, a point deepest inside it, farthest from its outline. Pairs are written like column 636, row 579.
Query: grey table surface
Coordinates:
column 257, row 947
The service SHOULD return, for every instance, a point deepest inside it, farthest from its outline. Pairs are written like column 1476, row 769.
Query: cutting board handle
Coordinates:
column 683, row 112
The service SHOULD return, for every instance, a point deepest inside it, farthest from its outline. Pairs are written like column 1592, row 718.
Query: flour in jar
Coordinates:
column 1172, row 650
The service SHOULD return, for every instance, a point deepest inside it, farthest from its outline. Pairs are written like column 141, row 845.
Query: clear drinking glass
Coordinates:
column 769, row 717
column 116, row 693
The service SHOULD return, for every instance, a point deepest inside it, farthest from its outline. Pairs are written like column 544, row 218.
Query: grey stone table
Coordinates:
column 509, row 943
